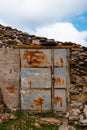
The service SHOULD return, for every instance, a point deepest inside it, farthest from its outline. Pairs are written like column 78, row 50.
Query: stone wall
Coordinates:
column 9, row 77
column 78, row 81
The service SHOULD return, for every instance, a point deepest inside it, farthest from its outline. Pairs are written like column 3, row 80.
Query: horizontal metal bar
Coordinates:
column 36, row 88
column 61, row 88
column 29, row 110
column 42, row 88
column 43, row 47
column 36, row 67
column 59, row 66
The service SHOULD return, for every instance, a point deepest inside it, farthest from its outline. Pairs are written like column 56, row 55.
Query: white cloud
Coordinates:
column 28, row 14
column 40, row 10
column 63, row 32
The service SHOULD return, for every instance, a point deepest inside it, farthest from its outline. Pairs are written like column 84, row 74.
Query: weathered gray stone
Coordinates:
column 4, row 117
column 85, row 111
column 82, row 122
column 65, row 126
column 9, row 77
column 53, row 121
column 76, row 104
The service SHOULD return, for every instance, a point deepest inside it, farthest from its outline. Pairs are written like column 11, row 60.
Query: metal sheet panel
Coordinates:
column 35, row 78
column 60, row 77
column 59, row 100
column 60, row 57
column 35, row 57
column 39, row 90
column 36, row 100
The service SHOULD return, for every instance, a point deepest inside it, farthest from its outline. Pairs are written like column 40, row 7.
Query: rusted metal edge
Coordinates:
column 36, row 67
column 67, row 78
column 60, row 66
column 20, row 82
column 36, row 88
column 42, row 88
column 36, row 111
column 52, row 80
column 44, row 47
column 60, row 88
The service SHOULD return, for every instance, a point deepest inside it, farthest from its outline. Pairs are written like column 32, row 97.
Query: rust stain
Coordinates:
column 59, row 81
column 58, row 99
column 57, row 63
column 61, row 61
column 30, row 83
column 10, row 89
column 62, row 82
column 39, row 102
column 35, row 57
column 46, row 78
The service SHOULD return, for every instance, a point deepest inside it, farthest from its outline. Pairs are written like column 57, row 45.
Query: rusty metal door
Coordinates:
column 43, row 79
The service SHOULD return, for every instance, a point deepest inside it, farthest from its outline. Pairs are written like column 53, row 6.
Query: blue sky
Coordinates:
column 62, row 20
column 80, row 22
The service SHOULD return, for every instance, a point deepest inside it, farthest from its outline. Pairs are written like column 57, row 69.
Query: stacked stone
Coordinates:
column 2, row 105
column 83, row 116
column 78, row 80
column 10, row 37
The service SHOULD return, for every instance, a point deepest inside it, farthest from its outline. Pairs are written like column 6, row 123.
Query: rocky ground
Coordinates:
column 48, row 121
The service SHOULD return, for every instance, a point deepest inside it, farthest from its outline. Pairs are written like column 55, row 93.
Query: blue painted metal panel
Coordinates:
column 36, row 100
column 39, row 68
column 35, row 78
column 60, row 57
column 60, row 77
column 59, row 100
column 35, row 57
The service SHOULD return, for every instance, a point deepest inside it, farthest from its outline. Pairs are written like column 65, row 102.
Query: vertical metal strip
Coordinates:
column 20, row 80
column 51, row 86
column 52, row 79
column 67, row 78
